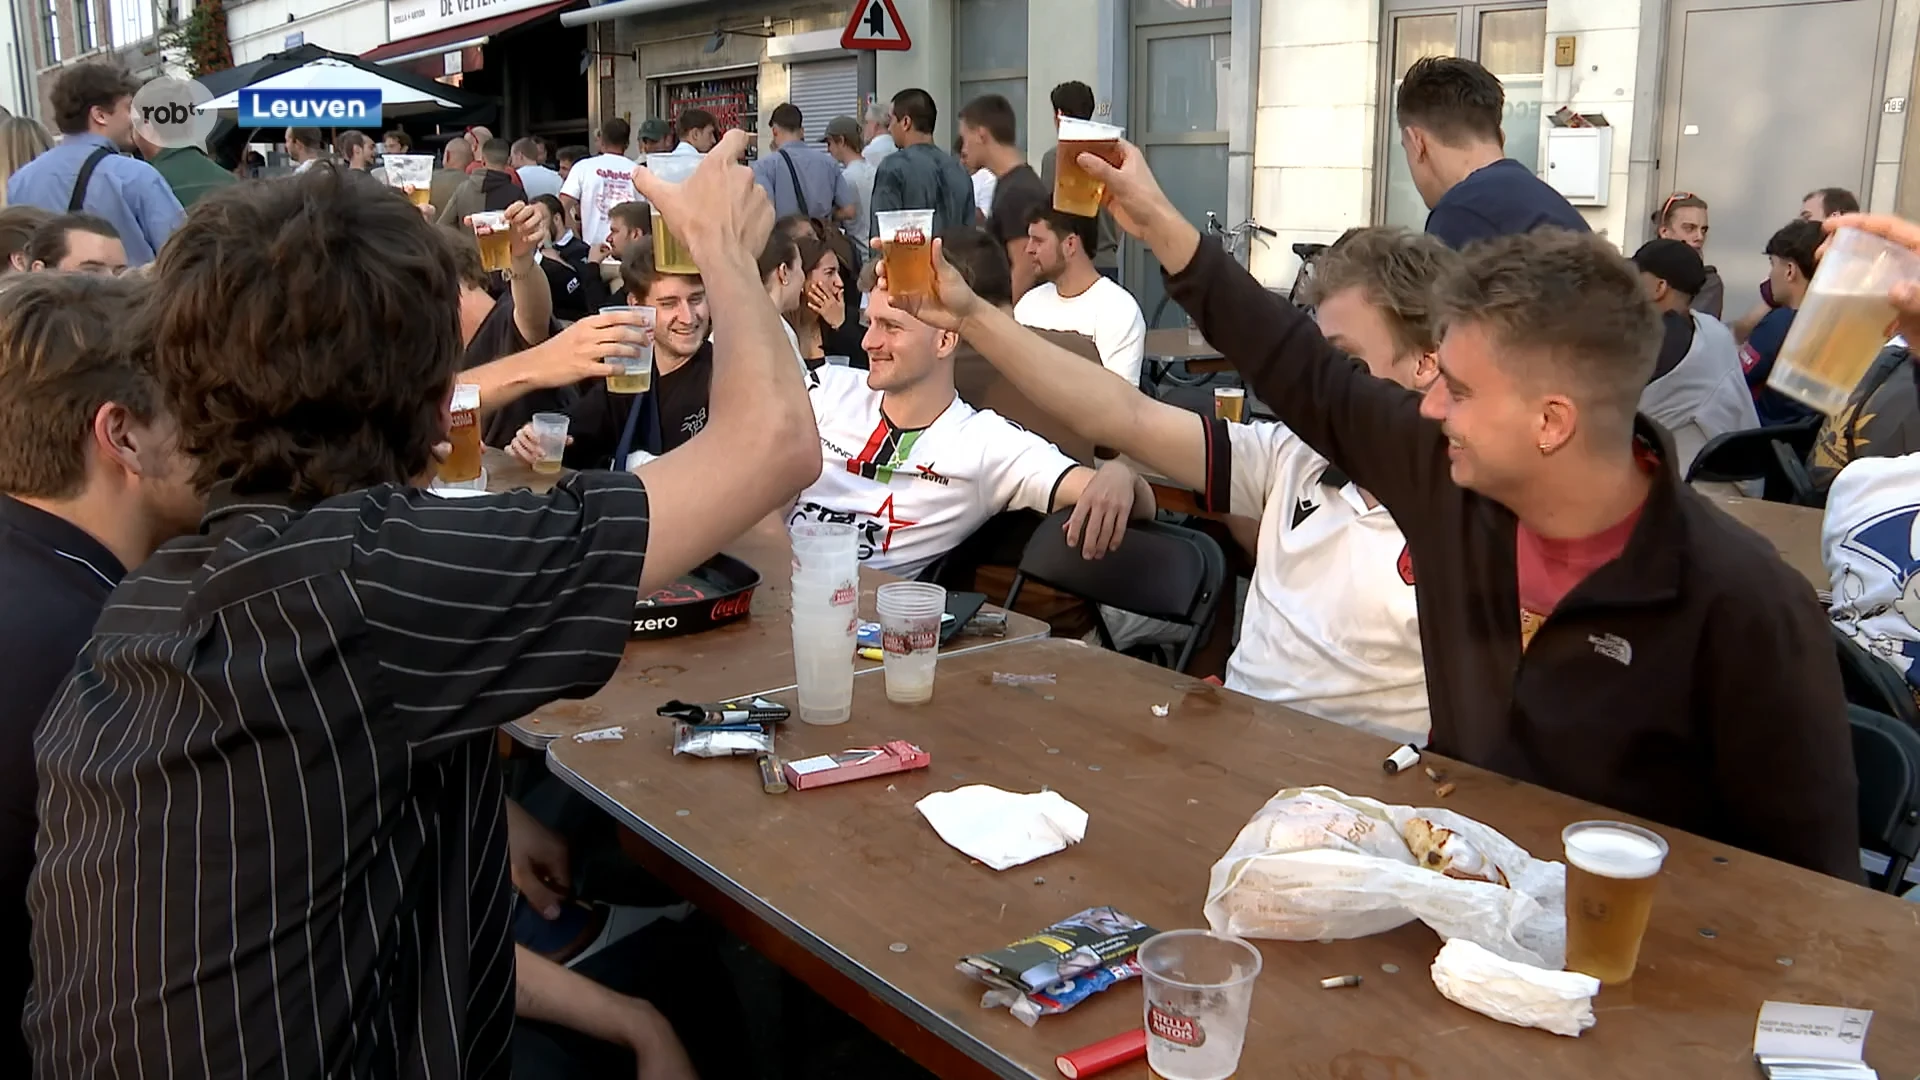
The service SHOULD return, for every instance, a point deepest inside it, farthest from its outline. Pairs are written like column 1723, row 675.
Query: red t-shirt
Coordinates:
column 1549, row 569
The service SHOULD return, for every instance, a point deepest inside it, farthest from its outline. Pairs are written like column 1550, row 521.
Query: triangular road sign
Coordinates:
column 875, row 25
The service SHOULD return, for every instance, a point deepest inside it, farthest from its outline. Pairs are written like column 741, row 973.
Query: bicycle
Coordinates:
column 1239, row 244
column 1238, row 241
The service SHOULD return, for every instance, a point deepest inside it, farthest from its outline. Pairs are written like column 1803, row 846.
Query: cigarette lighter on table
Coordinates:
column 856, row 763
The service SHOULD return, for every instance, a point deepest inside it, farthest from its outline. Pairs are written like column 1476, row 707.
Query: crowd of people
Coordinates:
column 254, row 809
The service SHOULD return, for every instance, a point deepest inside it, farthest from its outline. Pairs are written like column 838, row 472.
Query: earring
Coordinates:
column 1546, row 448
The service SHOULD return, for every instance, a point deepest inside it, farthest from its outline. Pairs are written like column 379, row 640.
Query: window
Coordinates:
column 990, row 56
column 86, row 27
column 50, row 27
column 1509, row 40
column 132, row 21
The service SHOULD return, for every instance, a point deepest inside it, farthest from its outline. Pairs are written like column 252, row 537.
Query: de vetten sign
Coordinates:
column 411, row 18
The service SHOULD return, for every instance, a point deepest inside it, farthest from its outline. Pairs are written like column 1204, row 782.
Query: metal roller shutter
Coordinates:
column 822, row 90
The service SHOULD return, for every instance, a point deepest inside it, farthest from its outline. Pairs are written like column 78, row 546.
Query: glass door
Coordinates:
column 1180, row 118
column 1509, row 40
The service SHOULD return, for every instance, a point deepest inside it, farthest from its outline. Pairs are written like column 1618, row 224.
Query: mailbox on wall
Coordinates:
column 1579, row 162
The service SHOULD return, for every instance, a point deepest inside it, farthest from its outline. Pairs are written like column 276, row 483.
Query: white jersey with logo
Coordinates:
column 1331, row 626
column 1871, row 541
column 600, row 183
column 914, row 495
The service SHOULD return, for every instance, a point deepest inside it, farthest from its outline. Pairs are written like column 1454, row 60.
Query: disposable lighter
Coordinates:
column 856, row 763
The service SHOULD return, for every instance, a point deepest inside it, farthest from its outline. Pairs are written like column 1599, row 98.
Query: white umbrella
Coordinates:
column 326, row 74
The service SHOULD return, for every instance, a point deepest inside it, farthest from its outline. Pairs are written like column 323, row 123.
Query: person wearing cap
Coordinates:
column 1697, row 390
column 845, row 142
column 655, row 137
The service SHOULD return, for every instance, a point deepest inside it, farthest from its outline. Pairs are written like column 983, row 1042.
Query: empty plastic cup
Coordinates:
column 1199, row 988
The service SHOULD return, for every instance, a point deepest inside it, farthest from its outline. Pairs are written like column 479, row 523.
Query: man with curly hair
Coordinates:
column 279, row 747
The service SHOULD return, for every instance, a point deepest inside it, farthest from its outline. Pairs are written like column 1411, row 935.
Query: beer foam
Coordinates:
column 1614, row 852
column 465, row 396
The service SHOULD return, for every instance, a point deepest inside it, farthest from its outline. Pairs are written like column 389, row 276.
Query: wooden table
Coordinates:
column 751, row 656
column 507, row 473
column 1794, row 532
column 831, row 883
column 1173, row 344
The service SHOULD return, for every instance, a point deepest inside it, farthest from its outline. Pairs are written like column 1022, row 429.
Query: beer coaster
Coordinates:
column 716, row 592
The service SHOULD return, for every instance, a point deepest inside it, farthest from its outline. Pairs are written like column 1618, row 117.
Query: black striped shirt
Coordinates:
column 271, row 838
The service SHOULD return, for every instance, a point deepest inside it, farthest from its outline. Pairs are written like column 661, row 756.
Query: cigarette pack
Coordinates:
column 856, row 763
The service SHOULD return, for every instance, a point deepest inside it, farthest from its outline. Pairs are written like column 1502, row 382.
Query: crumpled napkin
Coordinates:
column 1003, row 828
column 1513, row 993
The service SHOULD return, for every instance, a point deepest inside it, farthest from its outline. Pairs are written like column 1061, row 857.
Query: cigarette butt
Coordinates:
column 1338, row 981
column 1443, row 791
column 871, row 654
column 1400, row 759
column 1435, row 775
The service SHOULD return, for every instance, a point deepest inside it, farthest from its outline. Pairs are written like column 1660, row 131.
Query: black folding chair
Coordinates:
column 1886, row 757
column 1160, row 571
column 1797, row 481
column 1749, row 455
column 1871, row 683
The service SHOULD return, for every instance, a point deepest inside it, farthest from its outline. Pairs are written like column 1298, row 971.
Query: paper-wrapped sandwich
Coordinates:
column 1319, row 863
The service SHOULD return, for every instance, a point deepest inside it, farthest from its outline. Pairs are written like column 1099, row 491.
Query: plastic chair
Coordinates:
column 1160, row 571
column 1749, row 455
column 1871, row 683
column 1886, row 757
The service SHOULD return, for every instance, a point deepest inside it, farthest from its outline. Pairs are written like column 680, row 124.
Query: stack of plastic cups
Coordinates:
column 910, row 636
column 826, row 607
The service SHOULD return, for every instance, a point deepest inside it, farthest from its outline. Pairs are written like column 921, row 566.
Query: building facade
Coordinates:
column 1748, row 103
column 51, row 34
column 259, row 27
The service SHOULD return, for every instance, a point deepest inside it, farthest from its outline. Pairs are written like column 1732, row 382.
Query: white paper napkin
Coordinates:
column 1556, row 1001
column 1003, row 828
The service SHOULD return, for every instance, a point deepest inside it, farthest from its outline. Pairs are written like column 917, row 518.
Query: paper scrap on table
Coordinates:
column 1514, row 993
column 601, row 735
column 1159, row 710
column 1003, row 828
column 1792, row 1041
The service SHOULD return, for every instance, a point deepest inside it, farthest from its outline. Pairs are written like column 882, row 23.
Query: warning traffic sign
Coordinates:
column 875, row 25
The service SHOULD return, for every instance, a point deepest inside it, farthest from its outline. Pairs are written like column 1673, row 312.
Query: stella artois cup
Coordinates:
column 1199, row 988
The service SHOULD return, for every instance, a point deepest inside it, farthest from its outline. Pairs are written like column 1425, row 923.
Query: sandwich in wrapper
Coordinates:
column 1319, row 863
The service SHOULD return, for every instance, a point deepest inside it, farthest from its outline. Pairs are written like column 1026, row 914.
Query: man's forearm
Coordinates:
column 755, row 387
column 532, row 301
column 548, row 992
column 506, row 380
column 1172, row 238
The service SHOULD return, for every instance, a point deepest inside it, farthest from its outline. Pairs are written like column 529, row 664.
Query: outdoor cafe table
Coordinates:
column 1173, row 345
column 832, row 883
column 751, row 656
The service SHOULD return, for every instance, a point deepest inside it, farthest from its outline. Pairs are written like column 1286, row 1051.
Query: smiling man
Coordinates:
column 602, row 423
column 1589, row 623
column 1330, row 624
column 915, row 470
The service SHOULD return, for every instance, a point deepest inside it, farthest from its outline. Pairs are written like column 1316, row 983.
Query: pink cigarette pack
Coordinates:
column 855, row 763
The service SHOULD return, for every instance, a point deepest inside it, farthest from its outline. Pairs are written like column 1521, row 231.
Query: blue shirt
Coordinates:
column 1501, row 199
column 1756, row 360
column 127, row 192
column 824, row 188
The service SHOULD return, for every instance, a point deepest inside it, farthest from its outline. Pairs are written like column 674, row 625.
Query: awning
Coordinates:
column 464, row 36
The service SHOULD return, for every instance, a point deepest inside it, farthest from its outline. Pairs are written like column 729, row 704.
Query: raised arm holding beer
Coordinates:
column 1588, row 622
